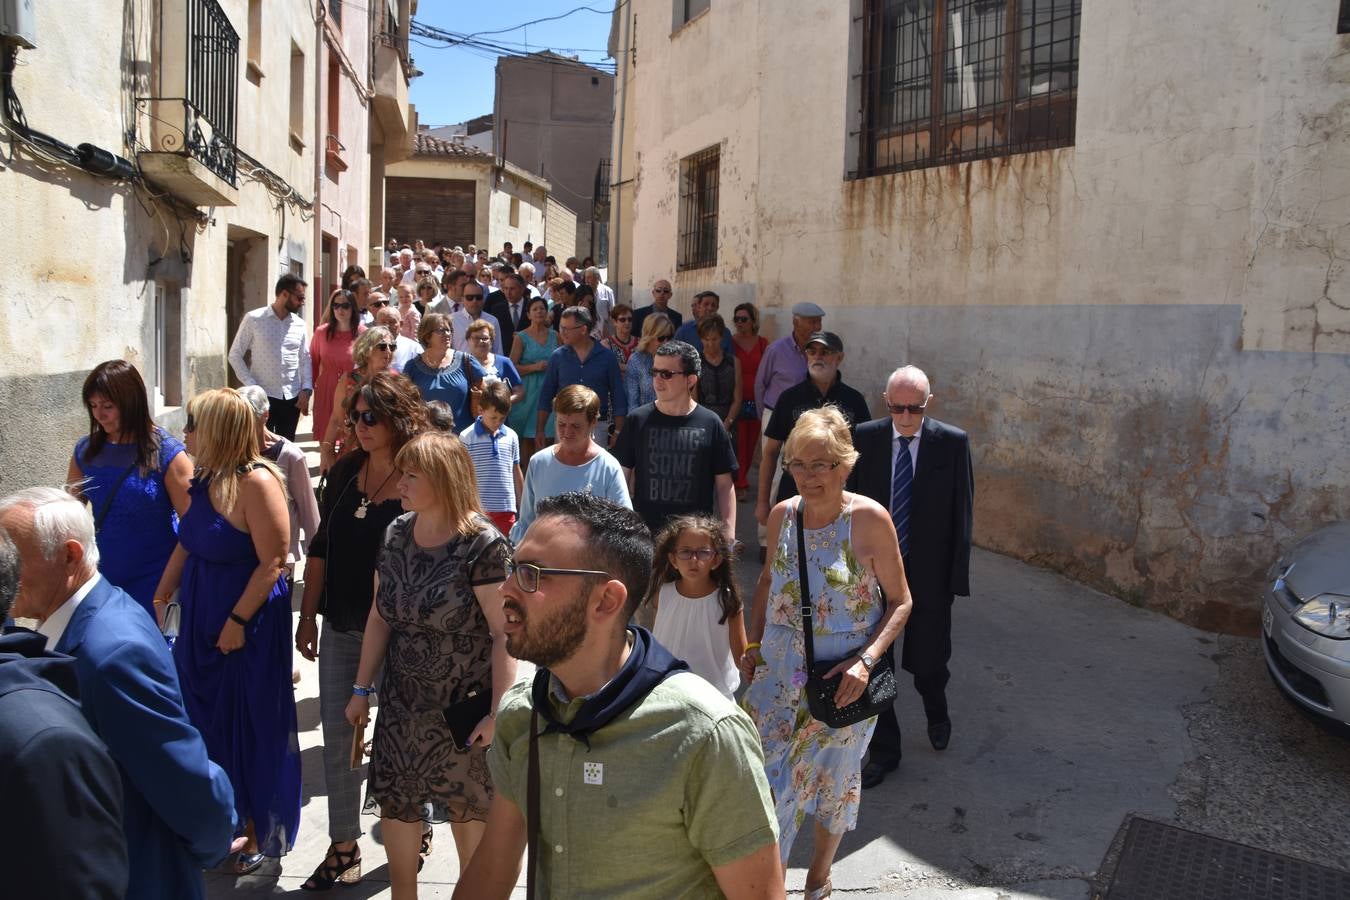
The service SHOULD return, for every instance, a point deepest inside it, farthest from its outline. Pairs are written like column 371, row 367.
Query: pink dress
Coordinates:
column 331, row 359
column 409, row 321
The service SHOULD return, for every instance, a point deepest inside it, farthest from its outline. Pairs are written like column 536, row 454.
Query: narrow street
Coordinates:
column 1071, row 711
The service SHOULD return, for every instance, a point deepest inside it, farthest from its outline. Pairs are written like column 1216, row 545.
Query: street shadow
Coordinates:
column 307, row 714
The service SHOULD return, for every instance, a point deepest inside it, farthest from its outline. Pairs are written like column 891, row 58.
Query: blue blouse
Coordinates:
column 447, row 384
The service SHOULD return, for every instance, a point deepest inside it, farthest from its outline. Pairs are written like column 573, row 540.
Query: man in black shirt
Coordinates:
column 677, row 455
column 823, row 384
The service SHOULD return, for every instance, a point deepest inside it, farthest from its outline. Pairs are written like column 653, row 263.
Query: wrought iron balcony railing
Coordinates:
column 199, row 78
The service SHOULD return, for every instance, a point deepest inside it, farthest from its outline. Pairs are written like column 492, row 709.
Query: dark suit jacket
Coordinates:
column 63, row 794
column 941, row 502
column 497, row 304
column 178, row 806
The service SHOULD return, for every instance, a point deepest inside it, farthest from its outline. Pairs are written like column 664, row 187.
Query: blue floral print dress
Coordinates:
column 812, row 768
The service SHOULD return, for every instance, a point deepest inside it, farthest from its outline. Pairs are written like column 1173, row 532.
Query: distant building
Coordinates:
column 553, row 117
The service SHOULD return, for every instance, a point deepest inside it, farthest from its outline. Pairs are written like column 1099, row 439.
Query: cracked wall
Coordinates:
column 1147, row 334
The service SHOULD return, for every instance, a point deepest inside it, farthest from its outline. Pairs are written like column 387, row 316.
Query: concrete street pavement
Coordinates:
column 1070, row 710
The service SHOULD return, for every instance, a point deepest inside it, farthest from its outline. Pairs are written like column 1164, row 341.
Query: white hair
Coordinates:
column 57, row 517
column 256, row 396
column 592, row 270
column 525, row 267
column 909, row 376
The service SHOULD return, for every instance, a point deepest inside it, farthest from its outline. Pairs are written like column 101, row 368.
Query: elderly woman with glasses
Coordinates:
column 657, row 328
column 436, row 630
column 361, row 500
column 496, row 366
column 859, row 603
column 441, row 373
column 372, row 353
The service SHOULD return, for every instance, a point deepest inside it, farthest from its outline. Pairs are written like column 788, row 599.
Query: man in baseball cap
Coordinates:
column 824, row 352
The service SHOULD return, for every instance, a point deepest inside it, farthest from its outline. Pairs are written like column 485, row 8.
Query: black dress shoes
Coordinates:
column 874, row 773
column 939, row 734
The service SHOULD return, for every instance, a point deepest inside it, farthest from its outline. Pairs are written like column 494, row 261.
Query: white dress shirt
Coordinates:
column 405, row 348
column 55, row 625
column 278, row 351
column 461, row 322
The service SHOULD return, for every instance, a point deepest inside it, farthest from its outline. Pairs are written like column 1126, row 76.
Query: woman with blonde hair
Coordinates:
column 856, row 591
column 233, row 651
column 637, row 378
column 436, row 630
column 372, row 353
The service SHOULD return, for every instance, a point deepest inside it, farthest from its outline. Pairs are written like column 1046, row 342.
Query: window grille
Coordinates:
column 1008, row 82
column 698, row 210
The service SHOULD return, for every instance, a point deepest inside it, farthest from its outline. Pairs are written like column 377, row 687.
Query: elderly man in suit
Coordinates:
column 920, row 469
column 177, row 806
column 62, row 788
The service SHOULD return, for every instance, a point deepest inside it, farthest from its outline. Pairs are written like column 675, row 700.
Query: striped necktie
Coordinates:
column 902, row 480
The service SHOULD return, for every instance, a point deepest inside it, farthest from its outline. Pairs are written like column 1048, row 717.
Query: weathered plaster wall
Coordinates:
column 1147, row 334
column 346, row 194
column 82, row 255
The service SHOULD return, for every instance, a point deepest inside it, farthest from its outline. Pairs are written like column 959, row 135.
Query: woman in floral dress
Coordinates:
column 859, row 605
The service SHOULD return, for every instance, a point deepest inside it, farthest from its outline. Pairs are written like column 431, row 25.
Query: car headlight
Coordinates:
column 1327, row 615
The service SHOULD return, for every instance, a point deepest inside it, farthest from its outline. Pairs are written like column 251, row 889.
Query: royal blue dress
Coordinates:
column 242, row 702
column 140, row 531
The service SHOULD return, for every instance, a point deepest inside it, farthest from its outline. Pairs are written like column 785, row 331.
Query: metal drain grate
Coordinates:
column 1163, row 862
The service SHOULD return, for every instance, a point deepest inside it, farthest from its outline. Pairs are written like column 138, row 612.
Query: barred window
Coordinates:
column 1009, row 80
column 1343, row 21
column 698, row 210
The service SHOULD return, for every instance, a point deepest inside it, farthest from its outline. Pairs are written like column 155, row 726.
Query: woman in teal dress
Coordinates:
column 530, row 352
column 859, row 603
column 135, row 476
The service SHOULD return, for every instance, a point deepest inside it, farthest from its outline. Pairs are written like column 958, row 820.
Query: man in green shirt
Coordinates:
column 649, row 783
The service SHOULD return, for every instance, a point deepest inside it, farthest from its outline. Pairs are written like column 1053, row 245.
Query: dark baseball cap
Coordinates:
column 831, row 341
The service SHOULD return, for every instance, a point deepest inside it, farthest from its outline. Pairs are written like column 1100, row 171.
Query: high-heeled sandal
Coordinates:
column 345, row 868
column 820, row 893
column 245, row 863
column 423, row 853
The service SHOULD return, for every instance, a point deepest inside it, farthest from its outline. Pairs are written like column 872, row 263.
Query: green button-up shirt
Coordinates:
column 670, row 788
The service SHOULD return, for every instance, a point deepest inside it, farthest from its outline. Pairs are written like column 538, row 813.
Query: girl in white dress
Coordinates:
column 699, row 617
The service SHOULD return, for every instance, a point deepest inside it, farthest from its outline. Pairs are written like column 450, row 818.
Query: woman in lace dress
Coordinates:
column 436, row 628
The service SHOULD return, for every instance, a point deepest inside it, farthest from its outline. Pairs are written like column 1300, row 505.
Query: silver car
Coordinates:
column 1306, row 622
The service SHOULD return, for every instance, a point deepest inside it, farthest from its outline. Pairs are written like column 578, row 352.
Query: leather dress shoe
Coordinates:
column 940, row 734
column 874, row 773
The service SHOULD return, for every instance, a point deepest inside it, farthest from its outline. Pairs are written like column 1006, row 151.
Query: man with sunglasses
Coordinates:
column 470, row 311
column 623, row 773
column 676, row 454
column 920, row 469
column 507, row 305
column 276, row 341
column 661, row 294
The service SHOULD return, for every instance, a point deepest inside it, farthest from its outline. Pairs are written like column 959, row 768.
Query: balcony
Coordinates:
column 392, row 112
column 191, row 123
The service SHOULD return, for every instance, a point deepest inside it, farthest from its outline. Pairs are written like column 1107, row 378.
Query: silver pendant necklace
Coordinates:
column 360, row 512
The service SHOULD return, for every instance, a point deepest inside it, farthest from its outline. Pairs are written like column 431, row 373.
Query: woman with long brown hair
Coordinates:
column 233, row 651
column 135, row 476
column 436, row 630
column 358, row 505
column 330, row 353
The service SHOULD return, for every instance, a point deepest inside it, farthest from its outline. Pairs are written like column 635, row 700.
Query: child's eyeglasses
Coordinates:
column 702, row 554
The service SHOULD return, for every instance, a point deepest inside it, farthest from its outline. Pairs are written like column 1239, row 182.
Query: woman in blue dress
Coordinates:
column 443, row 373
column 134, row 475
column 233, row 651
column 815, row 771
column 530, row 351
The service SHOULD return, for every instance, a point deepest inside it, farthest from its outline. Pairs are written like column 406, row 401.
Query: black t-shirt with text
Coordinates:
column 675, row 461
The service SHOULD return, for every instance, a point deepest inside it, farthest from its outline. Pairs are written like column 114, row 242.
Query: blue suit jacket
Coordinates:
column 178, row 806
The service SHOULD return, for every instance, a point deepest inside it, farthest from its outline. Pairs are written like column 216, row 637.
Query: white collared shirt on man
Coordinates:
column 913, row 447
column 278, row 352
column 54, row 626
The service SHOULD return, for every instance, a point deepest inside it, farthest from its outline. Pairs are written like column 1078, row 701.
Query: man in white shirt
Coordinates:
column 526, row 271
column 276, row 341
column 471, row 310
column 604, row 299
column 405, row 265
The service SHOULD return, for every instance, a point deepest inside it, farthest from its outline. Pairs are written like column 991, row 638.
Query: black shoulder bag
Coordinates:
column 879, row 694
column 112, row 495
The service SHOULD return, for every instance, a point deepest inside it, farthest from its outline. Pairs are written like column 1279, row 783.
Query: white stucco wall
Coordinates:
column 345, row 196
column 1147, row 334
column 82, row 255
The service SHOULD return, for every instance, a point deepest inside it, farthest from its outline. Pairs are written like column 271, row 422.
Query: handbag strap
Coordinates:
column 807, row 637
column 107, row 504
column 532, row 807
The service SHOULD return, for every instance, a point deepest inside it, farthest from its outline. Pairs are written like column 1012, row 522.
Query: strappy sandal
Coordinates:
column 345, row 868
column 820, row 893
column 244, row 863
column 425, row 851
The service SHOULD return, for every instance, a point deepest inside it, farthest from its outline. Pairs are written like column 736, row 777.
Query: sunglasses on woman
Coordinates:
column 387, row 347
column 342, row 306
column 367, row 416
column 190, row 425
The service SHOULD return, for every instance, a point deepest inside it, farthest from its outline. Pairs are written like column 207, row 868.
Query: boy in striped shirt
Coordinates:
column 495, row 451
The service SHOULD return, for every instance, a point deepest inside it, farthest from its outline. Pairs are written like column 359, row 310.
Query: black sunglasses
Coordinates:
column 473, row 296
column 385, row 346
column 379, row 304
column 368, row 416
column 666, row 374
column 740, row 318
column 342, row 306
column 901, row 408
column 190, row 425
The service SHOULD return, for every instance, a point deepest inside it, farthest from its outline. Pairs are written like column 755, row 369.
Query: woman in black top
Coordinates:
column 719, row 380
column 359, row 502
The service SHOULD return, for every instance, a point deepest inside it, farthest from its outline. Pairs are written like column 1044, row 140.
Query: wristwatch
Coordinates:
column 868, row 662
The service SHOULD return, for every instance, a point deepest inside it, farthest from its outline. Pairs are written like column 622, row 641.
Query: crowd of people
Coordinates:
column 486, row 426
